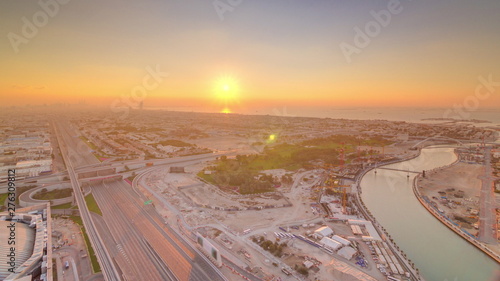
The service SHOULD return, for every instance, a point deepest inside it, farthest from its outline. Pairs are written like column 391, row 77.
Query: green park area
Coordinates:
column 43, row 194
column 176, row 143
column 92, row 204
column 21, row 189
column 3, row 196
column 244, row 176
column 64, row 206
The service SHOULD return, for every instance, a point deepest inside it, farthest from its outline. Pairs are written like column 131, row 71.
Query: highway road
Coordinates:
column 142, row 236
column 109, row 270
column 487, row 214
column 131, row 248
column 143, row 246
column 78, row 151
column 176, row 160
column 54, row 178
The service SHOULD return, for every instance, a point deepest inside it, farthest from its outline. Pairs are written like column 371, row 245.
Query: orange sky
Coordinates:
column 272, row 55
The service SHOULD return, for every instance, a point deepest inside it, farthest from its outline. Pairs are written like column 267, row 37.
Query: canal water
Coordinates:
column 439, row 253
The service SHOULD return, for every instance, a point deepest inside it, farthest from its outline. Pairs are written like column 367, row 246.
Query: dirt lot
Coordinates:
column 205, row 194
column 458, row 180
column 69, row 244
column 186, row 193
column 70, row 234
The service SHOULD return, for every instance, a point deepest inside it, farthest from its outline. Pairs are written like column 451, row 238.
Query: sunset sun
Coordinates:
column 226, row 92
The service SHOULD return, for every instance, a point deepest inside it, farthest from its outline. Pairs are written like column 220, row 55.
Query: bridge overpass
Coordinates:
column 438, row 138
column 399, row 170
column 459, row 142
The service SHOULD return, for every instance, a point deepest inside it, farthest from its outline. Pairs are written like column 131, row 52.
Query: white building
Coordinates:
column 323, row 231
column 308, row 264
column 369, row 227
column 33, row 168
column 341, row 240
column 330, row 243
column 347, row 252
column 356, row 230
column 367, row 238
column 33, row 247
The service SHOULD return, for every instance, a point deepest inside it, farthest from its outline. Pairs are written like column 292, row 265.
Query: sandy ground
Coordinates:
column 205, row 194
column 333, row 268
column 70, row 236
column 70, row 232
column 461, row 176
column 277, row 172
column 184, row 190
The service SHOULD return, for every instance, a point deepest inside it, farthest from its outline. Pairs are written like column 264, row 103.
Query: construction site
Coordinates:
column 308, row 229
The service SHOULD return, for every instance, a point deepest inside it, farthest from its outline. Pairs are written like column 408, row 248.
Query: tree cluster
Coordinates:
column 274, row 248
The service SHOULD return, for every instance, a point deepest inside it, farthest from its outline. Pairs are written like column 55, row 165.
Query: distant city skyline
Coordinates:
column 252, row 54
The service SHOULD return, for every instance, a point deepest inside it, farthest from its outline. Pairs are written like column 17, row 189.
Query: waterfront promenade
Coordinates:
column 409, row 266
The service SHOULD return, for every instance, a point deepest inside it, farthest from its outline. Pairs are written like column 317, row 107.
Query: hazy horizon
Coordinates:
column 484, row 117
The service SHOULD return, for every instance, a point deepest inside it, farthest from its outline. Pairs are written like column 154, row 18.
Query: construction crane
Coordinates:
column 342, row 155
column 343, row 192
column 344, row 202
column 334, row 188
